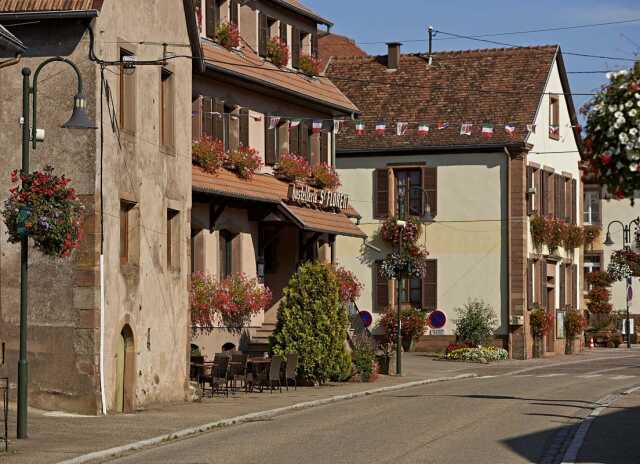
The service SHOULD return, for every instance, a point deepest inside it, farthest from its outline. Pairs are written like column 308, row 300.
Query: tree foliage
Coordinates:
column 476, row 322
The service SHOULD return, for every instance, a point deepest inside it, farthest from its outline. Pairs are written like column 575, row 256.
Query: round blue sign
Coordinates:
column 437, row 319
column 366, row 318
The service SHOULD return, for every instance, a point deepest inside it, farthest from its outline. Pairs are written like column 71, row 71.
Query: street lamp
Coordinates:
column 626, row 239
column 78, row 120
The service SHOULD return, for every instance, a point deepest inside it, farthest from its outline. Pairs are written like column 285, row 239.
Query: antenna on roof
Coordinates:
column 430, row 44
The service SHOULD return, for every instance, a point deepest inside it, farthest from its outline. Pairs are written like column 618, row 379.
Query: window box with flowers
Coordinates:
column 228, row 36
column 291, row 167
column 44, row 208
column 210, row 155
column 324, row 176
column 278, row 51
column 309, row 65
column 245, row 161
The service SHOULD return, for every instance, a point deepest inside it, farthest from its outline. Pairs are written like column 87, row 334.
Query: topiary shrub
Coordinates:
column 476, row 322
column 313, row 321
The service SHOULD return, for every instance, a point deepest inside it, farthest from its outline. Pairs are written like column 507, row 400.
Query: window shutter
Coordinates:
column 295, row 47
column 530, row 272
column 563, row 285
column 529, row 196
column 211, row 13
column 559, row 197
column 207, row 119
column 294, row 140
column 233, row 11
column 574, row 286
column 549, row 194
column 430, row 186
column 544, row 193
column 233, row 125
column 283, row 31
column 315, row 149
column 282, row 133
column 381, row 194
column 303, row 140
column 196, row 118
column 430, row 286
column 314, row 45
column 269, row 144
column 537, row 179
column 263, row 34
column 244, row 127
column 381, row 289
column 324, row 148
column 574, row 197
column 543, row 283
column 537, row 297
column 218, row 119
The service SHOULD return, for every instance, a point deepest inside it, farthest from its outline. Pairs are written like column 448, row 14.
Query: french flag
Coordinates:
column 380, row 128
column 317, row 126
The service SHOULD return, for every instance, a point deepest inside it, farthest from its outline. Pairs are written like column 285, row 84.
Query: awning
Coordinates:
column 264, row 188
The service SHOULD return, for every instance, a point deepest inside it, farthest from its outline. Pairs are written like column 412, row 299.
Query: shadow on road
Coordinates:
column 552, row 402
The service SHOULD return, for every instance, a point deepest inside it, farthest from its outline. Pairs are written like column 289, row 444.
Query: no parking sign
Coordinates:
column 437, row 319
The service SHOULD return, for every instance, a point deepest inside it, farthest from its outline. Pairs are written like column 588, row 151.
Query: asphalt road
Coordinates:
column 521, row 418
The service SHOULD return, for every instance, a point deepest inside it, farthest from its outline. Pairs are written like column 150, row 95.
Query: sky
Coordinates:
column 407, row 20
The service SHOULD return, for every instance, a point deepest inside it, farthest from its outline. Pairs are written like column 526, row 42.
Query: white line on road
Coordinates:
column 551, row 375
column 623, row 377
column 487, row 377
column 589, row 376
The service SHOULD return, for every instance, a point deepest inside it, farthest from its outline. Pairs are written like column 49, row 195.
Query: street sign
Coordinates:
column 437, row 319
column 366, row 318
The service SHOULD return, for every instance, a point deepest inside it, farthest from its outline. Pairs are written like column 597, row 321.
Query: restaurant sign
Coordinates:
column 324, row 199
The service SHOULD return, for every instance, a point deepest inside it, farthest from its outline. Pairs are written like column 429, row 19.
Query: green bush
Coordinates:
column 313, row 322
column 476, row 322
column 363, row 356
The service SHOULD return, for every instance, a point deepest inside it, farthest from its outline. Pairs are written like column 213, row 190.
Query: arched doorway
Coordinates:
column 125, row 369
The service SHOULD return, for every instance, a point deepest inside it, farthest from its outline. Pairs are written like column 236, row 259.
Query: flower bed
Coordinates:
column 278, row 52
column 309, row 65
column 480, row 354
column 228, row 36
column 44, row 208
column 324, row 176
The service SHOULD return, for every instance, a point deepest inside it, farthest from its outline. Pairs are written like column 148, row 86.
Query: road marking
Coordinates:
column 589, row 376
column 551, row 375
column 622, row 377
column 525, row 375
column 581, row 361
column 487, row 377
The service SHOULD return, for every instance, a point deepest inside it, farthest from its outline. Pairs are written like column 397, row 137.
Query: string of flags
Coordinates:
column 402, row 128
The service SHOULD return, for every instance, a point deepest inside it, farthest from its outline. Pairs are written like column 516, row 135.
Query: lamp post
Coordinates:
column 626, row 239
column 78, row 120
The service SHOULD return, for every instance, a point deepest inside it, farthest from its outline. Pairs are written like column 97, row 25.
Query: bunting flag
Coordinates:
column 554, row 131
column 487, row 131
column 380, row 128
column 465, row 129
column 317, row 126
column 294, row 123
column 510, row 129
column 337, row 125
column 401, row 128
column 359, row 128
column 423, row 129
column 273, row 122
column 442, row 125
column 531, row 128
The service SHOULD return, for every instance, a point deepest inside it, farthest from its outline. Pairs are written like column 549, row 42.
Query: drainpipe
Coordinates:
column 102, row 305
column 11, row 62
column 333, row 165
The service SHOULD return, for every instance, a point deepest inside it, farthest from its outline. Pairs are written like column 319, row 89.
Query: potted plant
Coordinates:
column 553, row 234
column 228, row 36
column 277, row 51
column 46, row 209
column 309, row 65
column 574, row 324
column 245, row 161
column 237, row 298
column 383, row 356
column 209, row 154
column 540, row 321
column 413, row 324
column 292, row 168
column 325, row 177
column 349, row 285
column 572, row 237
column 537, row 232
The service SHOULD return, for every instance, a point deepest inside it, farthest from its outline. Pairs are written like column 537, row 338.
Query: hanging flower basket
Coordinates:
column 407, row 263
column 623, row 264
column 350, row 286
column 325, row 177
column 393, row 233
column 44, row 208
column 591, row 233
column 292, row 168
column 612, row 145
column 278, row 52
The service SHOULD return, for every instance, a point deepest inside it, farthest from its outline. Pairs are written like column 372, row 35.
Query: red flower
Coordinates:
column 606, row 158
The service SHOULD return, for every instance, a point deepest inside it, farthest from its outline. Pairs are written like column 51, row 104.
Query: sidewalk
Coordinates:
column 57, row 437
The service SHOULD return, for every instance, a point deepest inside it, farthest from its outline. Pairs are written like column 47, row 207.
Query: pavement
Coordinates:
column 367, row 424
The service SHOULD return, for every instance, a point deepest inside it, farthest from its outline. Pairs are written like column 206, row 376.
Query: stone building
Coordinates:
column 475, row 186
column 128, row 348
column 240, row 96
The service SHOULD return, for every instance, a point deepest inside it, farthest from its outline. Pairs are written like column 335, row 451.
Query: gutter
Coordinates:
column 304, row 12
column 41, row 15
column 433, row 149
column 10, row 41
column 237, row 75
column 11, row 62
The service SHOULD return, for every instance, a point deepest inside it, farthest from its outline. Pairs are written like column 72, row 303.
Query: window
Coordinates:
column 166, row 109
column 554, row 117
column 172, row 235
column 411, row 292
column 125, row 230
column 212, row 15
column 591, row 207
column 226, row 253
column 592, row 263
column 408, row 198
column 266, row 30
column 127, row 109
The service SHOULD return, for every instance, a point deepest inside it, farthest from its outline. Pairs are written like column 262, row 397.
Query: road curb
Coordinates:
column 192, row 431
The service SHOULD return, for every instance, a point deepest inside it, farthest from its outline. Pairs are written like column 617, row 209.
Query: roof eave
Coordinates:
column 42, row 15
column 564, row 79
column 299, row 95
column 308, row 14
column 433, row 149
column 10, row 41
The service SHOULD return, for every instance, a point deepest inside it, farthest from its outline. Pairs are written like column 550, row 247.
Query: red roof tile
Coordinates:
column 498, row 86
column 337, row 46
column 16, row 6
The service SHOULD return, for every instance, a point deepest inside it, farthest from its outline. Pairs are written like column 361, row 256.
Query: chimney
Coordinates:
column 393, row 57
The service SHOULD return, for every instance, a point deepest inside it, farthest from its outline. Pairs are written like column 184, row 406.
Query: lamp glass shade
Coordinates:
column 79, row 118
column 608, row 240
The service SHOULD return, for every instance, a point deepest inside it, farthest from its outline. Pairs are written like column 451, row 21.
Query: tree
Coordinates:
column 476, row 322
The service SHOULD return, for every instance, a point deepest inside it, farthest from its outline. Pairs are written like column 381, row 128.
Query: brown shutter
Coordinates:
column 303, row 141
column 294, row 140
column 430, row 286
column 269, row 144
column 324, row 148
column 538, row 195
column 574, row 286
column 263, row 34
column 381, row 289
column 538, row 278
column 244, row 127
column 207, row 119
column 543, row 283
column 550, row 194
column 314, row 45
column 529, row 283
column 529, row 197
column 430, row 186
column 196, row 118
column 283, row 31
column 381, row 194
column 218, row 118
column 544, row 193
column 283, row 138
column 211, row 13
column 295, row 47
column 562, row 283
column 233, row 11
column 233, row 124
column 574, row 206
column 560, row 197
column 315, row 149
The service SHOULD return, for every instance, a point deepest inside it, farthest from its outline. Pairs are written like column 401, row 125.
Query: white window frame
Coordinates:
column 588, row 210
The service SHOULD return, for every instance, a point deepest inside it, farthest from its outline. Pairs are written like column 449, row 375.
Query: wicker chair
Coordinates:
column 219, row 375
column 291, row 370
column 271, row 377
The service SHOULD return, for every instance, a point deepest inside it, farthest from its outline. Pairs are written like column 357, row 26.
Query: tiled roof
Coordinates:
column 15, row 6
column 249, row 65
column 10, row 41
column 324, row 221
column 298, row 7
column 337, row 46
column 498, row 86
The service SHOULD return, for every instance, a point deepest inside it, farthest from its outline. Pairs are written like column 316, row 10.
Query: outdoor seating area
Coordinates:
column 231, row 372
